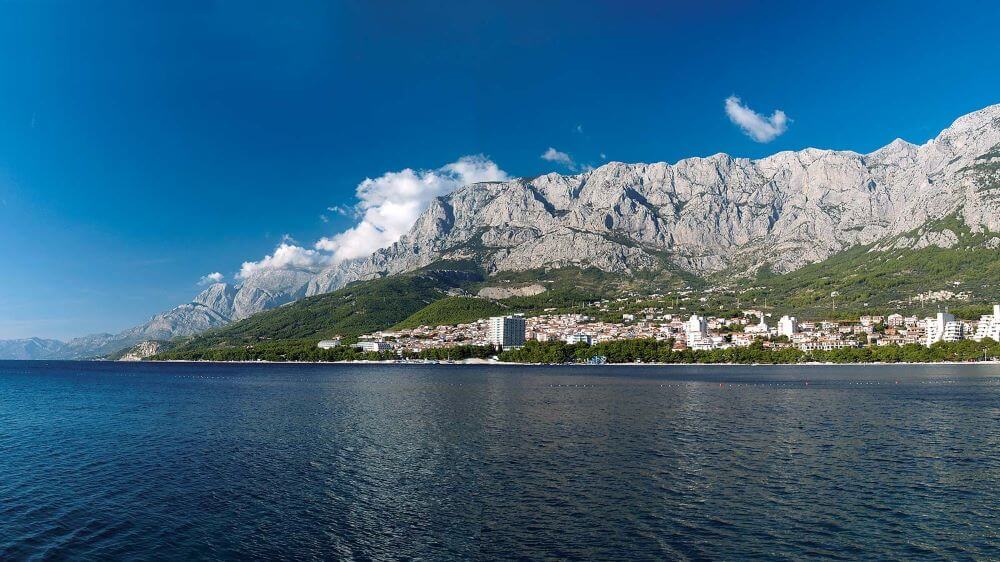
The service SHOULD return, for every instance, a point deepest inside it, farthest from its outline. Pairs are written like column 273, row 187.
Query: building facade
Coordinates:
column 506, row 332
column 788, row 326
column 943, row 327
column 579, row 338
column 695, row 328
column 370, row 346
column 989, row 326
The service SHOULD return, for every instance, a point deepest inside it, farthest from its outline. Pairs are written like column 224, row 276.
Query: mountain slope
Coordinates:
column 891, row 275
column 351, row 311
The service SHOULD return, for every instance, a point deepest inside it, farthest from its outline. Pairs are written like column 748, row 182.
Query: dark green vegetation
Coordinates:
column 453, row 310
column 306, row 351
column 871, row 281
column 569, row 286
column 653, row 351
column 881, row 278
column 623, row 351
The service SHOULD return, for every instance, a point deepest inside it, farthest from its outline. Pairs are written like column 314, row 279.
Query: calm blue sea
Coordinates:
column 198, row 461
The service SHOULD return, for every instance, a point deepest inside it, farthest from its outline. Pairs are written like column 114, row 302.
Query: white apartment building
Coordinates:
column 989, row 326
column 943, row 327
column 696, row 327
column 788, row 326
column 894, row 320
column 506, row 332
column 825, row 345
column 705, row 344
column 871, row 320
column 373, row 346
column 328, row 344
column 579, row 338
column 759, row 328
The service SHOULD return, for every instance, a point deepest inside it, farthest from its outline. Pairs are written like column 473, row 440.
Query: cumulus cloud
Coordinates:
column 211, row 278
column 756, row 126
column 559, row 157
column 387, row 207
column 286, row 256
column 390, row 204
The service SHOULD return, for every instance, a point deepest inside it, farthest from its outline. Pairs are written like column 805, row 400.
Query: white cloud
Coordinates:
column 756, row 126
column 387, row 207
column 211, row 278
column 559, row 157
column 286, row 256
column 390, row 204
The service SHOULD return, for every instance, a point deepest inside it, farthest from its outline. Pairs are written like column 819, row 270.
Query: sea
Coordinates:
column 197, row 461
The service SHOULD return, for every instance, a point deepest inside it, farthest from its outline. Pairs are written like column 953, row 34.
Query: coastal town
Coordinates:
column 695, row 332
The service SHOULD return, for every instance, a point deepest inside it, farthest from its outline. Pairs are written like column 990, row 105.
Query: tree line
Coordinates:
column 618, row 351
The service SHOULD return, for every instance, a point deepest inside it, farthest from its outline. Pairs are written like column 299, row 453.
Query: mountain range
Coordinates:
column 719, row 217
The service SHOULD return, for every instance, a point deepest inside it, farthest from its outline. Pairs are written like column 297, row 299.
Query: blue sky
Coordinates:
column 144, row 145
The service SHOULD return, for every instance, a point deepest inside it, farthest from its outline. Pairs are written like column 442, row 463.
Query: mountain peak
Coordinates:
column 974, row 133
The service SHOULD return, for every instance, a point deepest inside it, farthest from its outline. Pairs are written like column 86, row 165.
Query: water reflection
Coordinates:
column 227, row 461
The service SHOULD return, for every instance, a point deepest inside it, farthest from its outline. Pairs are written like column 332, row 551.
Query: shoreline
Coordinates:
column 513, row 364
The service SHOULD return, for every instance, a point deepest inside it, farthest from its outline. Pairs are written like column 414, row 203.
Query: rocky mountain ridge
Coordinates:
column 703, row 215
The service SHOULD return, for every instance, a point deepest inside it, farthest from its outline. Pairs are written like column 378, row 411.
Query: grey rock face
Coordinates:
column 141, row 350
column 704, row 214
column 507, row 292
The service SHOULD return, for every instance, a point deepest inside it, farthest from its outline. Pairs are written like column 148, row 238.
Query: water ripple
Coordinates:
column 185, row 461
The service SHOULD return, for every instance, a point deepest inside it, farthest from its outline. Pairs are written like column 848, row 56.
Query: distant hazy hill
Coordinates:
column 30, row 348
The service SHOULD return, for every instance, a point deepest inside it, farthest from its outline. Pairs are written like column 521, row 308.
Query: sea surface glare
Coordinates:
column 200, row 461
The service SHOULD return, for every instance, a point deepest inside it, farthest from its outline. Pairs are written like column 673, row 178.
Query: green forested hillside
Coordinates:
column 354, row 310
column 868, row 278
column 453, row 310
